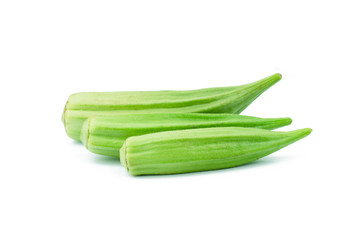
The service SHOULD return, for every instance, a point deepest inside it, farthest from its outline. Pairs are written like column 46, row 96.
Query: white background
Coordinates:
column 53, row 188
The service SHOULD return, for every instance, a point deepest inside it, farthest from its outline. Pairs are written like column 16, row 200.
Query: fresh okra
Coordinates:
column 235, row 99
column 105, row 135
column 202, row 149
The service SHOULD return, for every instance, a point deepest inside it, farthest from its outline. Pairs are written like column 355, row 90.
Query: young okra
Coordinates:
column 81, row 106
column 203, row 149
column 105, row 135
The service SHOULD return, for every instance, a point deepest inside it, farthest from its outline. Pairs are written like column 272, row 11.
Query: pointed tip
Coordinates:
column 254, row 90
column 277, row 77
column 301, row 133
column 274, row 123
column 267, row 82
column 306, row 131
column 282, row 122
column 286, row 121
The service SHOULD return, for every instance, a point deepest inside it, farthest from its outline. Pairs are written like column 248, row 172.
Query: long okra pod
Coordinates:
column 201, row 149
column 235, row 99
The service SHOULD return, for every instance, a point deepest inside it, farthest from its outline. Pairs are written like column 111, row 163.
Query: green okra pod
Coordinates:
column 235, row 99
column 203, row 149
column 105, row 135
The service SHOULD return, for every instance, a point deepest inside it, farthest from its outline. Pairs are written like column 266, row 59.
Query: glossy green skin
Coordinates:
column 81, row 106
column 202, row 149
column 106, row 135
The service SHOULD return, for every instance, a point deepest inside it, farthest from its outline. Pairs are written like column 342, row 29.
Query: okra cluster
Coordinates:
column 169, row 132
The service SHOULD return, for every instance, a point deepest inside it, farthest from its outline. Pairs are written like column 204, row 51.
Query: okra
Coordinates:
column 105, row 135
column 202, row 149
column 234, row 99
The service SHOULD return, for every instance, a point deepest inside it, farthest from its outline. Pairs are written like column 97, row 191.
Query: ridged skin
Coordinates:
column 106, row 135
column 203, row 149
column 81, row 106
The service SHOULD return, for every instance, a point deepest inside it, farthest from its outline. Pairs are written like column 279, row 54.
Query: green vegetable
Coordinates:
column 106, row 135
column 80, row 106
column 202, row 149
